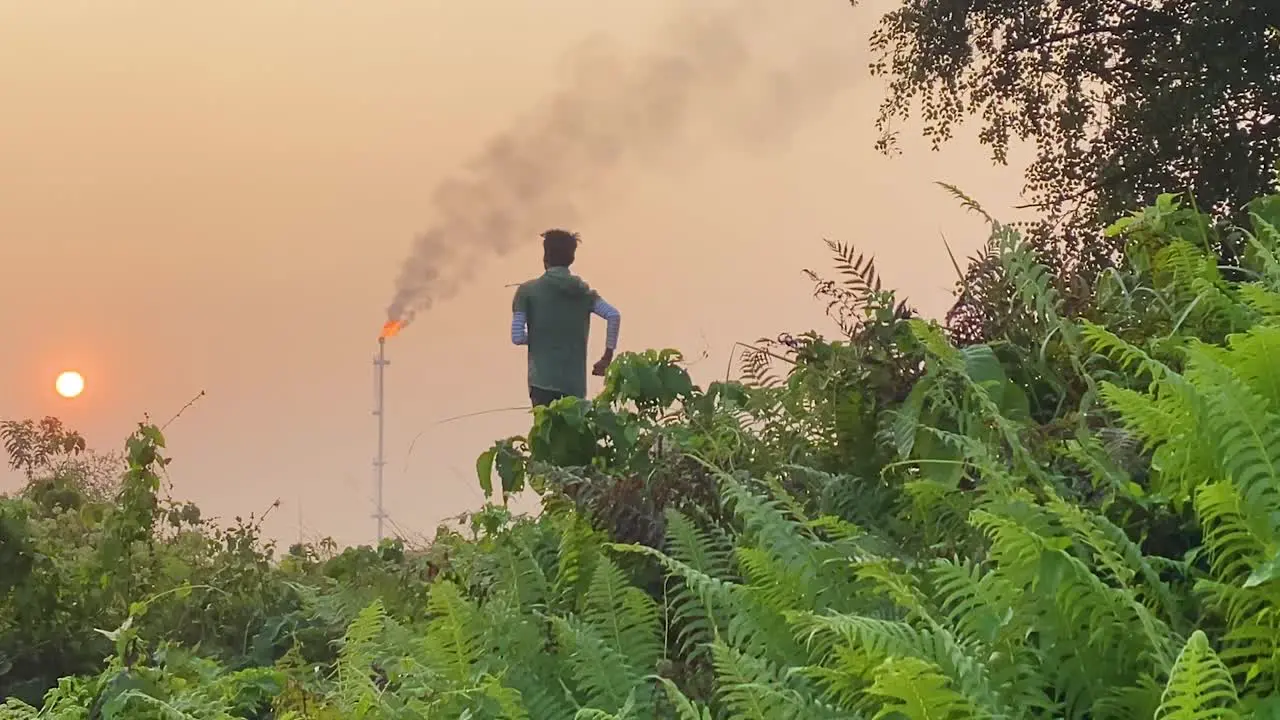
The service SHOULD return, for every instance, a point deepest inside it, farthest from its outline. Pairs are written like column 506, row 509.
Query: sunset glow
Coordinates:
column 69, row 384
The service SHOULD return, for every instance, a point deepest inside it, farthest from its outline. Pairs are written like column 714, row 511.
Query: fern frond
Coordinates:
column 606, row 678
column 695, row 614
column 686, row 709
column 1231, row 537
column 707, row 586
column 1190, row 277
column 626, row 712
column 779, row 586
column 753, row 689
column 1022, row 552
column 1247, row 431
column 965, row 595
column 1261, row 300
column 15, row 709
column 966, row 202
column 1032, row 280
column 626, row 617
column 521, row 574
column 575, row 560
column 767, row 524
column 756, row 365
column 978, row 608
column 1135, row 701
column 900, row 588
column 696, row 548
column 750, row 624
column 1130, row 357
column 1117, row 555
column 516, row 653
column 883, row 639
column 357, row 657
column 615, row 643
column 1251, row 356
column 858, row 270
column 1199, row 686
column 913, row 688
column 453, row 643
column 1251, row 644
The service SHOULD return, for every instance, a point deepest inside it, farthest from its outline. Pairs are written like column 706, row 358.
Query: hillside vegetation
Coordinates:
column 1064, row 506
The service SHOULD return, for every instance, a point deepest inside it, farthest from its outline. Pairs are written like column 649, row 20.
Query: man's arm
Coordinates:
column 520, row 317
column 613, row 320
column 613, row 323
column 519, row 328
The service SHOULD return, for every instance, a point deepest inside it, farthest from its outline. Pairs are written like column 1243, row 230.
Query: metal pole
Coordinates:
column 379, row 363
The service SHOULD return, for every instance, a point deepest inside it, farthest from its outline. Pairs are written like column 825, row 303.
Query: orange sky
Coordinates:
column 217, row 196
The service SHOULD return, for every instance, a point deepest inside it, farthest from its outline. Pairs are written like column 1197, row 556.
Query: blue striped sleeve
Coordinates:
column 519, row 331
column 613, row 322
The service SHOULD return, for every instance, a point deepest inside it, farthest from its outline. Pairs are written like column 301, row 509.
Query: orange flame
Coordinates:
column 390, row 329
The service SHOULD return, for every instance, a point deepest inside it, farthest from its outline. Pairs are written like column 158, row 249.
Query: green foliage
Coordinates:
column 1121, row 100
column 1076, row 518
column 32, row 446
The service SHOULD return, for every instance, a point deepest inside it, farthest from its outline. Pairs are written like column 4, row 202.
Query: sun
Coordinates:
column 69, row 384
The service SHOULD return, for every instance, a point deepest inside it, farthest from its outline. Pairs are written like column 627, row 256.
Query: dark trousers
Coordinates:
column 542, row 396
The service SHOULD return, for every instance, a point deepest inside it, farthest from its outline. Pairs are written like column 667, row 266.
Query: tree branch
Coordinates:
column 1073, row 34
column 1057, row 38
column 1147, row 10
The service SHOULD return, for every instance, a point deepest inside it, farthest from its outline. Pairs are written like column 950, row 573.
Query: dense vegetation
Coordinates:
column 1061, row 502
column 1121, row 100
column 1077, row 517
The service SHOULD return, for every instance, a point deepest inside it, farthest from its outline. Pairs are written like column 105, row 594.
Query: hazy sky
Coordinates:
column 218, row 196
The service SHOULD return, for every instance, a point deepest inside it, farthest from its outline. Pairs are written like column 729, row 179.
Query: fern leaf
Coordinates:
column 1246, row 428
column 605, row 677
column 696, row 548
column 883, row 639
column 1199, row 686
column 693, row 613
column 915, row 689
column 966, row 202
column 685, row 708
column 359, row 652
column 1130, row 357
column 453, row 640
column 575, row 560
column 1262, row 300
column 1251, row 356
column 753, row 689
column 626, row 617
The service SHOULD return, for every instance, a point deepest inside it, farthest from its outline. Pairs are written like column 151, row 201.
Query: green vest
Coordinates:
column 557, row 308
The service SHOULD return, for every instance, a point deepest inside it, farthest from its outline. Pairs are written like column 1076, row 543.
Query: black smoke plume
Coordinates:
column 752, row 70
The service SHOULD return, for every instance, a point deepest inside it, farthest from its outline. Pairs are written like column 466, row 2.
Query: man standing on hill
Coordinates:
column 552, row 315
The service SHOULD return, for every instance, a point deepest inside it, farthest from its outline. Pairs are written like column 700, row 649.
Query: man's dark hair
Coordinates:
column 559, row 247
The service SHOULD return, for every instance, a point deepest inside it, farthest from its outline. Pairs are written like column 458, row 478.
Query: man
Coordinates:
column 551, row 314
